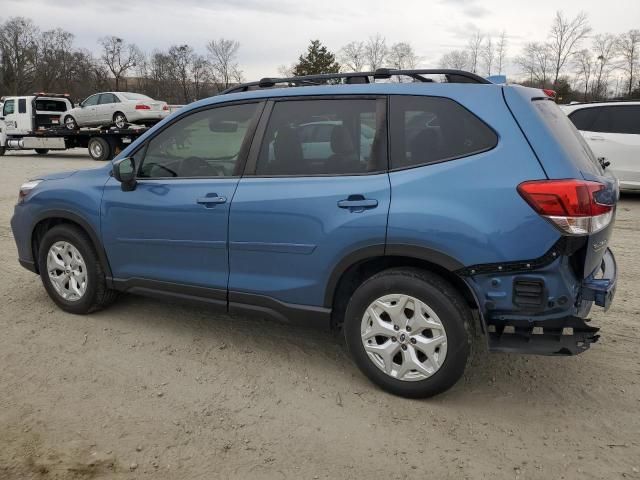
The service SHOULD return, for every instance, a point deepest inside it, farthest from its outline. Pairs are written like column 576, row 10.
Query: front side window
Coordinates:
column 203, row 144
column 625, row 119
column 428, row 130
column 323, row 137
column 9, row 107
column 585, row 118
column 91, row 101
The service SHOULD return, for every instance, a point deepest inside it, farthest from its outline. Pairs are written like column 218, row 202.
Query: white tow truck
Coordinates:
column 32, row 122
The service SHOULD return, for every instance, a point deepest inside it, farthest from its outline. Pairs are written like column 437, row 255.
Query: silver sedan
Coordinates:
column 118, row 108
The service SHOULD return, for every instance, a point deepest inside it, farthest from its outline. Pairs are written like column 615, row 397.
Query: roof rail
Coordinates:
column 453, row 76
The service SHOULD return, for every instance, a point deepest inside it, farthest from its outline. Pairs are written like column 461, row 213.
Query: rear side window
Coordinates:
column 22, row 105
column 608, row 119
column 323, row 137
column 9, row 107
column 428, row 130
column 108, row 98
column 51, row 106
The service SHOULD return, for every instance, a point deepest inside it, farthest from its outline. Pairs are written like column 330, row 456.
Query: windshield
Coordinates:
column 135, row 96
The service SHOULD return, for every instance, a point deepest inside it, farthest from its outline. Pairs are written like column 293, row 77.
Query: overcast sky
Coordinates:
column 275, row 32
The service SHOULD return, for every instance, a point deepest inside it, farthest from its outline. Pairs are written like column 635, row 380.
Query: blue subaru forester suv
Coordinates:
column 412, row 215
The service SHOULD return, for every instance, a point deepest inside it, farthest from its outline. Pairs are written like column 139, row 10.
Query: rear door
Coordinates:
column 299, row 208
column 106, row 108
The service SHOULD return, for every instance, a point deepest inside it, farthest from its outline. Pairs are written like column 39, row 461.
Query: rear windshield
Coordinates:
column 566, row 134
column 135, row 96
column 51, row 106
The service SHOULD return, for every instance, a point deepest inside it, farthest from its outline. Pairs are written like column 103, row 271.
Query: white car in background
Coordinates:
column 612, row 130
column 118, row 108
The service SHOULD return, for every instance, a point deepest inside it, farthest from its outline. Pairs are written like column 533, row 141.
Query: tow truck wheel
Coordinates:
column 120, row 120
column 2, row 149
column 99, row 149
column 42, row 151
column 70, row 123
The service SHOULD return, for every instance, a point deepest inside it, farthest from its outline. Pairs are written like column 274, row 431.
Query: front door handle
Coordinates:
column 211, row 200
column 596, row 138
column 357, row 203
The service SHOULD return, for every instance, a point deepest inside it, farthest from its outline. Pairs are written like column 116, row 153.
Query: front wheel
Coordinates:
column 408, row 330
column 71, row 271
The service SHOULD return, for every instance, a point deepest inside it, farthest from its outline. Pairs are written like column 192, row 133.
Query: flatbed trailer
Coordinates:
column 101, row 143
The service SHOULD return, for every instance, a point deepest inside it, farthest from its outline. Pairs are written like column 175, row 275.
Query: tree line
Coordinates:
column 35, row 60
column 572, row 60
column 577, row 63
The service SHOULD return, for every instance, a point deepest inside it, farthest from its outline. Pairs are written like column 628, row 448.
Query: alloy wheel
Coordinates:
column 404, row 337
column 67, row 271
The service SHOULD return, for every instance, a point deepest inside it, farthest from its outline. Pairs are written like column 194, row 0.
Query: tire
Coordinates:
column 2, row 150
column 96, row 295
column 70, row 123
column 99, row 149
column 42, row 151
column 449, row 344
column 120, row 120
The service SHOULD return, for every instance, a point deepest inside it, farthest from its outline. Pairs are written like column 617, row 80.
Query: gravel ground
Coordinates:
column 154, row 390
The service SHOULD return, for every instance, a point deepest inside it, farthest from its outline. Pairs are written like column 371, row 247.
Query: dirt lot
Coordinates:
column 152, row 390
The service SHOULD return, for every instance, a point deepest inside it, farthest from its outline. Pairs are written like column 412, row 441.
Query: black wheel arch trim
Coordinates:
column 74, row 217
column 389, row 250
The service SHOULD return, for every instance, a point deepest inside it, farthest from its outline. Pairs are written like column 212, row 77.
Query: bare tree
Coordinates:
column 629, row 49
column 585, row 67
column 18, row 49
column 536, row 62
column 501, row 51
column 180, row 61
column 286, row 71
column 402, row 56
column 456, row 59
column 54, row 50
column 565, row 37
column 352, row 56
column 474, row 47
column 604, row 49
column 375, row 51
column 488, row 55
column 119, row 56
column 223, row 54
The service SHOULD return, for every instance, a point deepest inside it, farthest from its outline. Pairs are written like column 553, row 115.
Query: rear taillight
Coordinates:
column 549, row 93
column 571, row 205
column 143, row 107
column 166, row 107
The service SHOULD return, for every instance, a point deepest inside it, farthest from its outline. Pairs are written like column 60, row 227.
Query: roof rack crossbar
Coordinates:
column 453, row 76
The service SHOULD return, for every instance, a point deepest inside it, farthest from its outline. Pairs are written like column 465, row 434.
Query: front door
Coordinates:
column 171, row 231
column 308, row 199
column 87, row 113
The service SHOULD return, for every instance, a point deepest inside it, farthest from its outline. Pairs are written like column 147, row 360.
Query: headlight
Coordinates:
column 25, row 188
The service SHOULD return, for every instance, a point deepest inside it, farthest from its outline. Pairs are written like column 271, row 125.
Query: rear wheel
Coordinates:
column 42, row 151
column 70, row 123
column 408, row 330
column 2, row 150
column 120, row 120
column 99, row 149
column 71, row 271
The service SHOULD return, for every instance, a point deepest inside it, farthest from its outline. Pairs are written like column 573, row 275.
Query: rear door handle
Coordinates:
column 211, row 200
column 357, row 203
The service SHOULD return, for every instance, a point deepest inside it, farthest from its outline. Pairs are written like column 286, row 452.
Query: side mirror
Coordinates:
column 124, row 171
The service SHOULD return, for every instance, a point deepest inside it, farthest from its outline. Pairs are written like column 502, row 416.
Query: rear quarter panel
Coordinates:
column 469, row 208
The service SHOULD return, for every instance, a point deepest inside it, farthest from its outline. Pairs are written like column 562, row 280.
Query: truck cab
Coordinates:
column 27, row 114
